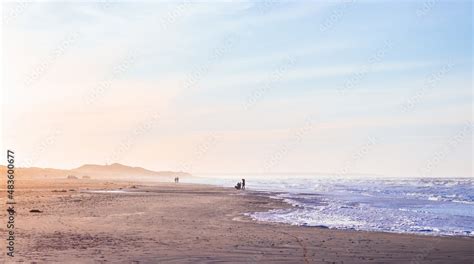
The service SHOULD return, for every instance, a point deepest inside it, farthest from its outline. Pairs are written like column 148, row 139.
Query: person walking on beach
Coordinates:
column 243, row 184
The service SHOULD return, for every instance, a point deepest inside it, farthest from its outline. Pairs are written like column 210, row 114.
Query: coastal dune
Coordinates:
column 115, row 171
column 91, row 221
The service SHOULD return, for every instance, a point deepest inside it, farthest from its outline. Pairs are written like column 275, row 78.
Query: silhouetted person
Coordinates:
column 243, row 184
column 238, row 186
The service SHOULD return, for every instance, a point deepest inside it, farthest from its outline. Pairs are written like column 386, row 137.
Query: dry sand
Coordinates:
column 182, row 223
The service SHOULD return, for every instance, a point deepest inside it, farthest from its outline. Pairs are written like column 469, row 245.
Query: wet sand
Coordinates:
column 184, row 223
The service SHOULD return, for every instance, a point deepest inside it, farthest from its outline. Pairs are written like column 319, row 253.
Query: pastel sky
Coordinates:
column 275, row 86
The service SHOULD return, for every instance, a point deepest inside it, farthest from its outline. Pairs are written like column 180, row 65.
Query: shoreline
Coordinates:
column 186, row 223
column 265, row 194
column 430, row 211
column 349, row 229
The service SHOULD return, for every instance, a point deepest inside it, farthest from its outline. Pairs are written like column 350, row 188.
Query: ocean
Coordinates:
column 432, row 206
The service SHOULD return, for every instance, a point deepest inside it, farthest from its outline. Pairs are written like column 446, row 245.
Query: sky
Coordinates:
column 343, row 87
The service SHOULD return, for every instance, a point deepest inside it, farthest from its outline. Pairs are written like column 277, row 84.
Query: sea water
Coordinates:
column 435, row 206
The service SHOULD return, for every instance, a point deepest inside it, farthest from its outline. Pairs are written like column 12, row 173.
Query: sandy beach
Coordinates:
column 87, row 221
